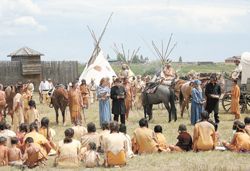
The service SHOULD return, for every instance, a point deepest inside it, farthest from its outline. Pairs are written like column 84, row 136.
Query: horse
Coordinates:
column 59, row 100
column 185, row 95
column 163, row 94
column 10, row 93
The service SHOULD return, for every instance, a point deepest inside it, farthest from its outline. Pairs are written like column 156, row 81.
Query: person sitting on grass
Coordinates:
column 91, row 136
column 91, row 157
column 48, row 133
column 68, row 151
column 39, row 139
column 115, row 147
column 247, row 125
column 204, row 134
column 79, row 130
column 23, row 129
column 240, row 141
column 15, row 156
column 184, row 140
column 33, row 155
column 161, row 139
column 123, row 131
column 3, row 152
column 144, row 139
column 105, row 131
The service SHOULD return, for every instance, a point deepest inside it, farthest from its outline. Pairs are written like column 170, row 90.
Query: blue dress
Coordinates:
column 104, row 105
column 196, row 106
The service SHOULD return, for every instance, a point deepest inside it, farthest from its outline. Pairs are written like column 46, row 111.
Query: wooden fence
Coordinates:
column 59, row 72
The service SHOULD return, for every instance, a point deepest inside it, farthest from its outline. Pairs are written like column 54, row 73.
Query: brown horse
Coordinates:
column 59, row 100
column 184, row 96
column 10, row 93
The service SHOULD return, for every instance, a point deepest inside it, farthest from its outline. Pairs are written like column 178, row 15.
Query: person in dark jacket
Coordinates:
column 184, row 140
column 118, row 94
column 213, row 93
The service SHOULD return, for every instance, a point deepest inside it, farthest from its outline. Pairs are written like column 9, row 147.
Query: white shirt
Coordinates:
column 44, row 86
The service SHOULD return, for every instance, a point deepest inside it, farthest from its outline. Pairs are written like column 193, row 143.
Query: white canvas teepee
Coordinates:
column 97, row 69
column 245, row 62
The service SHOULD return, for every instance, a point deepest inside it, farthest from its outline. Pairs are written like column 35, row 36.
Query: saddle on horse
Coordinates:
column 151, row 87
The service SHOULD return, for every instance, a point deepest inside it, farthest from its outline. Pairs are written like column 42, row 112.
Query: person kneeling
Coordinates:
column 115, row 147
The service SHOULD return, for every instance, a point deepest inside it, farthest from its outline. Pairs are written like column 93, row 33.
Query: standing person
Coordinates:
column 30, row 87
column 75, row 104
column 129, row 96
column 235, row 103
column 213, row 92
column 43, row 90
column 18, row 117
column 204, row 134
column 2, row 101
column 103, row 94
column 85, row 94
column 118, row 94
column 32, row 113
column 139, row 85
column 92, row 88
column 26, row 95
column 197, row 102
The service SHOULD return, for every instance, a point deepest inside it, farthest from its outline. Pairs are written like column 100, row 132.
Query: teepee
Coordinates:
column 98, row 66
column 127, row 58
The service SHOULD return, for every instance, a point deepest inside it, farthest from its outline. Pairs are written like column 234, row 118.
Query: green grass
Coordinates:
column 203, row 161
column 182, row 69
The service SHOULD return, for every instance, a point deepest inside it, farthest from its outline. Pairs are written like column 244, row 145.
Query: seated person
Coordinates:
column 6, row 132
column 204, row 134
column 160, row 138
column 91, row 136
column 79, row 131
column 168, row 73
column 91, row 157
column 105, row 131
column 48, row 133
column 240, row 141
column 23, row 129
column 68, row 151
column 32, row 155
column 4, row 152
column 14, row 154
column 184, row 140
column 123, row 131
column 144, row 139
column 115, row 147
column 247, row 125
column 39, row 139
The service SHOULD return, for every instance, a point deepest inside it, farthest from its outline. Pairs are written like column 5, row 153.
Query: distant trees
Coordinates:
column 180, row 59
column 135, row 60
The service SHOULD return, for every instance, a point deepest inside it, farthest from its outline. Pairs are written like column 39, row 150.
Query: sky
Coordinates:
column 205, row 30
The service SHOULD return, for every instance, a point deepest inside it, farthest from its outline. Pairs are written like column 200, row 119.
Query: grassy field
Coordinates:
column 182, row 69
column 214, row 160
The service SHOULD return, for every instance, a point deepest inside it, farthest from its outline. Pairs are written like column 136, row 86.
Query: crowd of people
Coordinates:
column 29, row 140
column 31, row 145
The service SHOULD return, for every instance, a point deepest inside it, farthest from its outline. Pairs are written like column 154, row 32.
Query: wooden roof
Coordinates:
column 25, row 51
